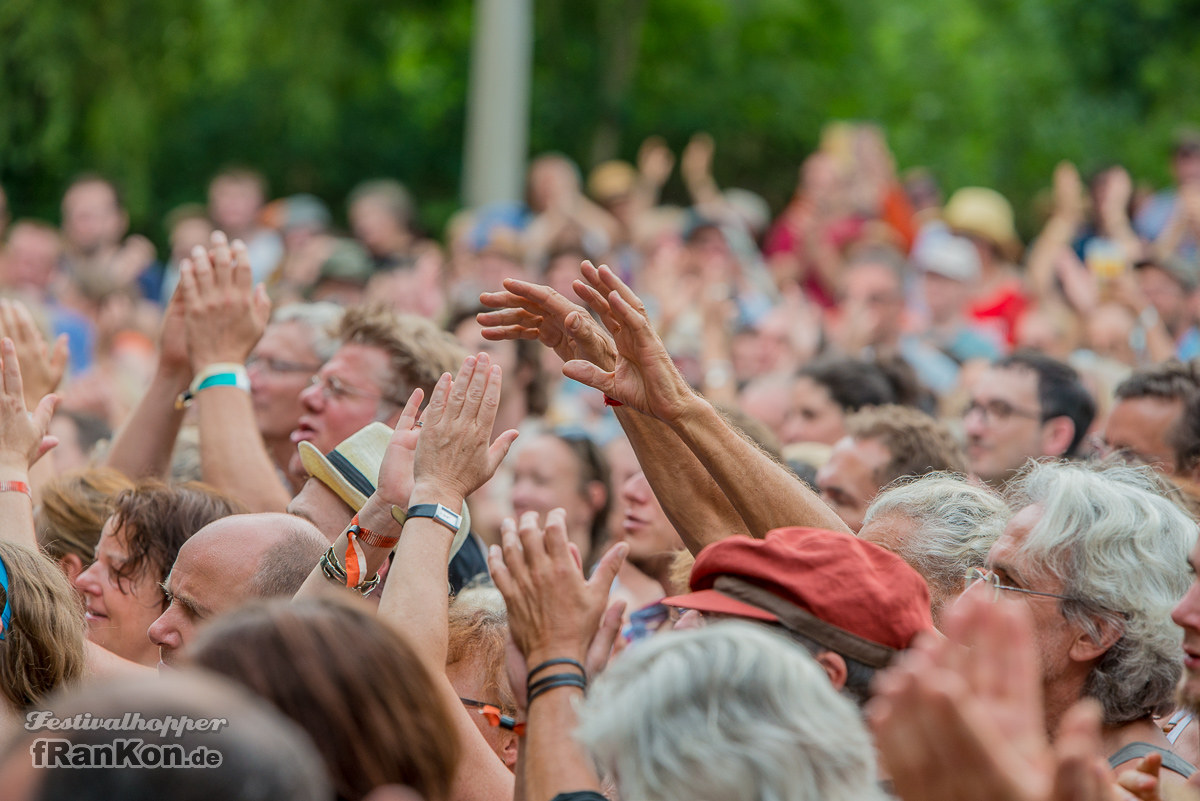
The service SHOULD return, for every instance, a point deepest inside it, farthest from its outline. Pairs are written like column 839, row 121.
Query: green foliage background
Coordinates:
column 319, row 95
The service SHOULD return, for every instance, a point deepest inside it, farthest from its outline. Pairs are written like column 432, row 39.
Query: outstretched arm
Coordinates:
column 689, row 496
column 143, row 446
column 225, row 317
column 764, row 493
column 23, row 440
column 453, row 459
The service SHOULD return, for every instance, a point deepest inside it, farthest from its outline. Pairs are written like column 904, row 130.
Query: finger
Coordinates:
column 555, row 537
column 593, row 376
column 499, row 449
column 59, row 358
column 437, row 401
column 412, row 408
column 458, row 390
column 515, row 316
column 44, row 413
column 7, row 320
column 477, row 386
column 607, row 568
column 507, row 332
column 613, row 283
column 222, row 259
column 533, row 539
column 262, row 304
column 242, row 275
column 602, row 642
column 514, row 551
column 574, row 549
column 47, row 444
column 12, row 370
column 489, row 401
column 499, row 569
column 203, row 271
column 24, row 328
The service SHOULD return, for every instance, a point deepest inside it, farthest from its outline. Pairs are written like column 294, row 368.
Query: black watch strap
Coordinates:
column 447, row 517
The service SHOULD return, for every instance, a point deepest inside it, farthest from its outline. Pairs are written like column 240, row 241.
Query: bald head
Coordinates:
column 230, row 561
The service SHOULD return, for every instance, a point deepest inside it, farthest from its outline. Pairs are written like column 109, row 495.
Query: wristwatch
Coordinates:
column 447, row 517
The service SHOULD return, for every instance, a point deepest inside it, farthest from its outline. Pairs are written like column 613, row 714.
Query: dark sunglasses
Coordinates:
column 494, row 717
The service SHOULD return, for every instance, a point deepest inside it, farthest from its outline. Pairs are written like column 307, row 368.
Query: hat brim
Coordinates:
column 717, row 602
column 320, row 468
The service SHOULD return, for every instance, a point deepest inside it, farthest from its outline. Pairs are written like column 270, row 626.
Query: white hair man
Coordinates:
column 1099, row 555
column 785, row 733
column 942, row 525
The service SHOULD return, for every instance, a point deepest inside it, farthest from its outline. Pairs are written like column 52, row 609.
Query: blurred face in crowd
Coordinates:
column 1187, row 616
column 645, row 527
column 30, row 257
column 945, row 297
column 1138, row 429
column 280, row 368
column 346, row 396
column 376, row 226
column 547, row 474
column 848, row 482
column 92, row 217
column 873, row 292
column 234, row 203
column 1003, row 423
column 469, row 678
column 120, row 610
column 1166, row 294
column 813, row 416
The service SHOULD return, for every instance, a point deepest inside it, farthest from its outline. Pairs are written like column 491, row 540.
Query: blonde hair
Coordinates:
column 43, row 647
column 74, row 509
column 479, row 630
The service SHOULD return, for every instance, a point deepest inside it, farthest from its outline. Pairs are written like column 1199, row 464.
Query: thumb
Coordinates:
column 59, row 357
column 606, row 570
column 588, row 373
column 262, row 303
column 44, row 412
column 499, row 449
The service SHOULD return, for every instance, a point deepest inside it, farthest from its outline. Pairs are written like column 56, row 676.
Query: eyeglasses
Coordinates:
column 999, row 411
column 6, row 615
column 976, row 574
column 333, row 389
column 280, row 365
column 494, row 717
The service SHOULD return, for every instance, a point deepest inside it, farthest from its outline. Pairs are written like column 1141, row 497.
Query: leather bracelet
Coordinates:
column 16, row 486
column 555, row 685
column 551, row 662
column 368, row 537
column 534, row 686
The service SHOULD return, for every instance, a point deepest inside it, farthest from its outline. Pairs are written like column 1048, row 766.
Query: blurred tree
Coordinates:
column 319, row 95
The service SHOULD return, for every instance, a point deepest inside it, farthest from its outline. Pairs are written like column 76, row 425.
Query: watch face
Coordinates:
column 446, row 516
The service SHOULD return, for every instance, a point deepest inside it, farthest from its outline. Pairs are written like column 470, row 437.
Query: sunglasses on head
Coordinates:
column 494, row 717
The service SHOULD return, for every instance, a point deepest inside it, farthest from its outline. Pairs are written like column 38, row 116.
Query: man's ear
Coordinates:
column 512, row 744
column 1057, row 434
column 1086, row 648
column 834, row 666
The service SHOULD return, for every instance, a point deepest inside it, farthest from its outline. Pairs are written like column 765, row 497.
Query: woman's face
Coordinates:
column 547, row 475
column 814, row 416
column 118, row 612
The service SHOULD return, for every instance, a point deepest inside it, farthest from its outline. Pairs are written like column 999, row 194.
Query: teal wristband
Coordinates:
column 221, row 380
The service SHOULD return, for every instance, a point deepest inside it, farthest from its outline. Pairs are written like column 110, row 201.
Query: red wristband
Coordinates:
column 15, row 486
column 612, row 401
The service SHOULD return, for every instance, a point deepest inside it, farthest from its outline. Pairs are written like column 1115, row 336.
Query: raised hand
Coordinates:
column 42, row 368
column 533, row 311
column 644, row 377
column 225, row 314
column 396, row 470
column 553, row 610
column 453, row 451
column 655, row 161
column 23, row 436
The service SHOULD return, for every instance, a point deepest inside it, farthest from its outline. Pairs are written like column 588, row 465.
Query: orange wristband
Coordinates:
column 15, row 486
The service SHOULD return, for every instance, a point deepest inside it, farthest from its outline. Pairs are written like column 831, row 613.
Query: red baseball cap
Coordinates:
column 831, row 586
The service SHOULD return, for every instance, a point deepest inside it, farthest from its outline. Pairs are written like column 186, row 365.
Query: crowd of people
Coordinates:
column 601, row 497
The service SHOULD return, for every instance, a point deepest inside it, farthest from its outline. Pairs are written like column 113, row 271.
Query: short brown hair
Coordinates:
column 418, row 351
column 349, row 680
column 43, row 648
column 918, row 444
column 157, row 520
column 73, row 511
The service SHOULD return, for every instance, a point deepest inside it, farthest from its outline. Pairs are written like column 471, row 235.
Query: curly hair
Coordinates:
column 918, row 444
column 418, row 351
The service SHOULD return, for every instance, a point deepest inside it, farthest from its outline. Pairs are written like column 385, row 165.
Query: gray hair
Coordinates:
column 954, row 524
column 727, row 711
column 285, row 567
column 1120, row 547
column 321, row 320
